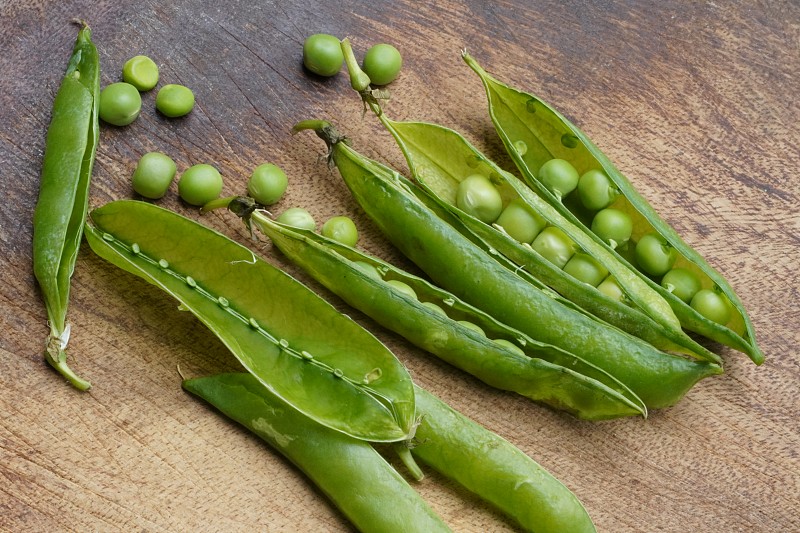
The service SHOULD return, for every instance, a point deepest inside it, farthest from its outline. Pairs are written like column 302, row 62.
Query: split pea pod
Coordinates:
column 442, row 161
column 434, row 320
column 463, row 268
column 297, row 345
column 534, row 134
column 64, row 192
column 355, row 477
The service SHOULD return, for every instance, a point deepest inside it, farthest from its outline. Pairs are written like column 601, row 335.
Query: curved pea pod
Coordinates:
column 424, row 144
column 523, row 119
column 538, row 371
column 348, row 471
column 64, row 192
column 296, row 344
column 463, row 268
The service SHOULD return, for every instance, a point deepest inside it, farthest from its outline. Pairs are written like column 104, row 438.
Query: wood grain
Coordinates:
column 695, row 102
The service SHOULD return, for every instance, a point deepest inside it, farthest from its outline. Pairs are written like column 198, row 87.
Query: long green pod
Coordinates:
column 461, row 267
column 522, row 119
column 420, row 142
column 64, row 192
column 298, row 345
column 495, row 470
column 538, row 371
column 365, row 488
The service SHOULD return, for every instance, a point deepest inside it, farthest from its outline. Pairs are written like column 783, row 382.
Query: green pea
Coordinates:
column 267, row 184
column 478, row 197
column 520, row 221
column 141, row 72
column 322, row 54
column 655, row 255
column 299, row 218
column 583, row 267
column 403, row 288
column 341, row 229
column 153, row 175
column 611, row 288
column 510, row 345
column 120, row 104
column 554, row 246
column 474, row 327
column 435, row 308
column 368, row 269
column 596, row 190
column 174, row 100
column 713, row 305
column 682, row 283
column 615, row 227
column 382, row 63
column 199, row 184
column 559, row 176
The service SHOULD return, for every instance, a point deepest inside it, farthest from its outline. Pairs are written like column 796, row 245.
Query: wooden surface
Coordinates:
column 696, row 102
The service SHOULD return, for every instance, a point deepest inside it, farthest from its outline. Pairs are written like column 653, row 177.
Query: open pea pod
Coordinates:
column 424, row 144
column 463, row 268
column 296, row 344
column 534, row 133
column 439, row 322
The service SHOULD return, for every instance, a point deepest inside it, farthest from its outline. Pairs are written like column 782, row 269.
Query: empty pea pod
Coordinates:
column 522, row 117
column 297, row 344
column 64, row 192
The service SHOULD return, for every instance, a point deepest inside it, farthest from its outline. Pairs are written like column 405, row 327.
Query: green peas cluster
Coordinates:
column 324, row 54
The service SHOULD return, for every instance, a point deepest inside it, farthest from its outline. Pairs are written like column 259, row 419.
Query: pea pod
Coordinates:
column 441, row 176
column 523, row 119
column 463, row 268
column 538, row 371
column 63, row 193
column 301, row 349
column 348, row 471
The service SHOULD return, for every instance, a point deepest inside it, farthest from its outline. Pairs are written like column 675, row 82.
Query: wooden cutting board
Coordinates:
column 695, row 102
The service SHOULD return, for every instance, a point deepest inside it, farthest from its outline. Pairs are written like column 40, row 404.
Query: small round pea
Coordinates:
column 713, row 305
column 596, row 190
column 403, row 288
column 611, row 288
column 119, row 104
column 474, row 327
column 153, row 175
column 554, row 245
column 368, row 269
column 141, row 72
column 682, row 283
column 478, row 197
column 654, row 255
column 341, row 229
column 435, row 308
column 585, row 268
column 298, row 217
column 520, row 221
column 322, row 54
column 510, row 345
column 382, row 63
column 199, row 184
column 559, row 176
column 615, row 227
column 174, row 100
column 267, row 184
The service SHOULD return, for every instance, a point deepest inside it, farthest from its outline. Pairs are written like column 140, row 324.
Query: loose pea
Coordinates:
column 654, row 255
column 435, row 308
column 298, row 218
column 510, row 345
column 554, row 246
column 682, row 283
column 174, row 100
column 199, row 184
column 141, row 72
column 596, row 191
column 267, row 184
column 403, row 288
column 713, row 305
column 615, row 227
column 559, row 176
column 611, row 288
column 474, row 327
column 478, row 197
column 341, row 229
column 583, row 267
column 382, row 63
column 520, row 221
column 322, row 54
column 153, row 175
column 120, row 104
column 368, row 269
